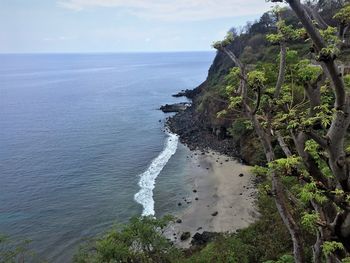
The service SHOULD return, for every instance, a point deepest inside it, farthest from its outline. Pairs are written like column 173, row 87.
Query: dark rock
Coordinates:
column 199, row 228
column 186, row 93
column 196, row 199
column 215, row 213
column 179, row 204
column 204, row 238
column 194, row 191
column 176, row 107
column 179, row 221
column 241, row 175
column 185, row 236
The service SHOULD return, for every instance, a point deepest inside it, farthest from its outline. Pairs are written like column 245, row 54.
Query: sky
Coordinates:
column 51, row 26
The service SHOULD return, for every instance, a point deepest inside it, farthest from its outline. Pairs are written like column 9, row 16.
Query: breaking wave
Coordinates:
column 148, row 178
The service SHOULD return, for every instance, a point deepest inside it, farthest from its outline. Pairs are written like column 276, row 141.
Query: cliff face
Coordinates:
column 199, row 127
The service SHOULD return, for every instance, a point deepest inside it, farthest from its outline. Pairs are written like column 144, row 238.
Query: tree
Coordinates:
column 316, row 127
column 141, row 240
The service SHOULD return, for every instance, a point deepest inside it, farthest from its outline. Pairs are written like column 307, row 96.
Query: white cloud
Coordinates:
column 176, row 9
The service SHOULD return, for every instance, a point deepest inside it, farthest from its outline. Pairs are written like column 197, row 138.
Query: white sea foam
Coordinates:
column 148, row 178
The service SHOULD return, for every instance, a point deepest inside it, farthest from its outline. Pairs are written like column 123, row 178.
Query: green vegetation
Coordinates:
column 139, row 241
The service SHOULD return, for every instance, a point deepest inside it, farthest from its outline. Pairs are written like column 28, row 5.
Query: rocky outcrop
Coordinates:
column 176, row 107
column 188, row 93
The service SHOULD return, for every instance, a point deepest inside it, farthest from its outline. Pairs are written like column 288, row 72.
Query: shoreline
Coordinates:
column 222, row 198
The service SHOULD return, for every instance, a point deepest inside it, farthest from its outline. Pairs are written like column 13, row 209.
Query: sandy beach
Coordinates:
column 222, row 198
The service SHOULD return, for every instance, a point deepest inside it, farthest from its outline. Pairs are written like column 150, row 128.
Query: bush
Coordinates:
column 139, row 241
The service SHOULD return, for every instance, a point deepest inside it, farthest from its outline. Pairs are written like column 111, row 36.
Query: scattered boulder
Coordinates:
column 185, row 235
column 241, row 175
column 196, row 199
column 215, row 213
column 179, row 221
column 179, row 204
column 194, row 191
column 204, row 238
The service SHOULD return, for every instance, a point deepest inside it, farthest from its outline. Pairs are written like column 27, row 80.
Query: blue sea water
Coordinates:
column 82, row 145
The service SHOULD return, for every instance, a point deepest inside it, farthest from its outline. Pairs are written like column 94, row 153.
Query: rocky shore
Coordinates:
column 176, row 107
column 195, row 135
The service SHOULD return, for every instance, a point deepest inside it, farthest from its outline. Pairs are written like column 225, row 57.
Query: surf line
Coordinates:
column 148, row 178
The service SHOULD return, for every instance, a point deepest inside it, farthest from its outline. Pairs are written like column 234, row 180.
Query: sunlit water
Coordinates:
column 77, row 132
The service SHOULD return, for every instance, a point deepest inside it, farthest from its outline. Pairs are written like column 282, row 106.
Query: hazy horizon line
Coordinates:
column 105, row 52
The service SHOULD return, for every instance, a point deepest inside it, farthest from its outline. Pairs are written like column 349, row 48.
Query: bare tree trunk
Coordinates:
column 287, row 218
column 283, row 144
column 282, row 70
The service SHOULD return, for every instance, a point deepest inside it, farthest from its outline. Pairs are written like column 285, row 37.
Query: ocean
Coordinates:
column 82, row 143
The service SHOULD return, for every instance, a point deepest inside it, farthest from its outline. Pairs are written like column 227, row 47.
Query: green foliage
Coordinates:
column 259, row 170
column 285, row 33
column 314, row 150
column 310, row 192
column 285, row 165
column 232, row 78
column 309, row 221
column 224, row 43
column 347, row 82
column 307, row 72
column 344, row 14
column 139, row 241
column 330, row 247
column 256, row 78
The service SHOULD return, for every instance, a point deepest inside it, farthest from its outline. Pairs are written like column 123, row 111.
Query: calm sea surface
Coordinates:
column 80, row 135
